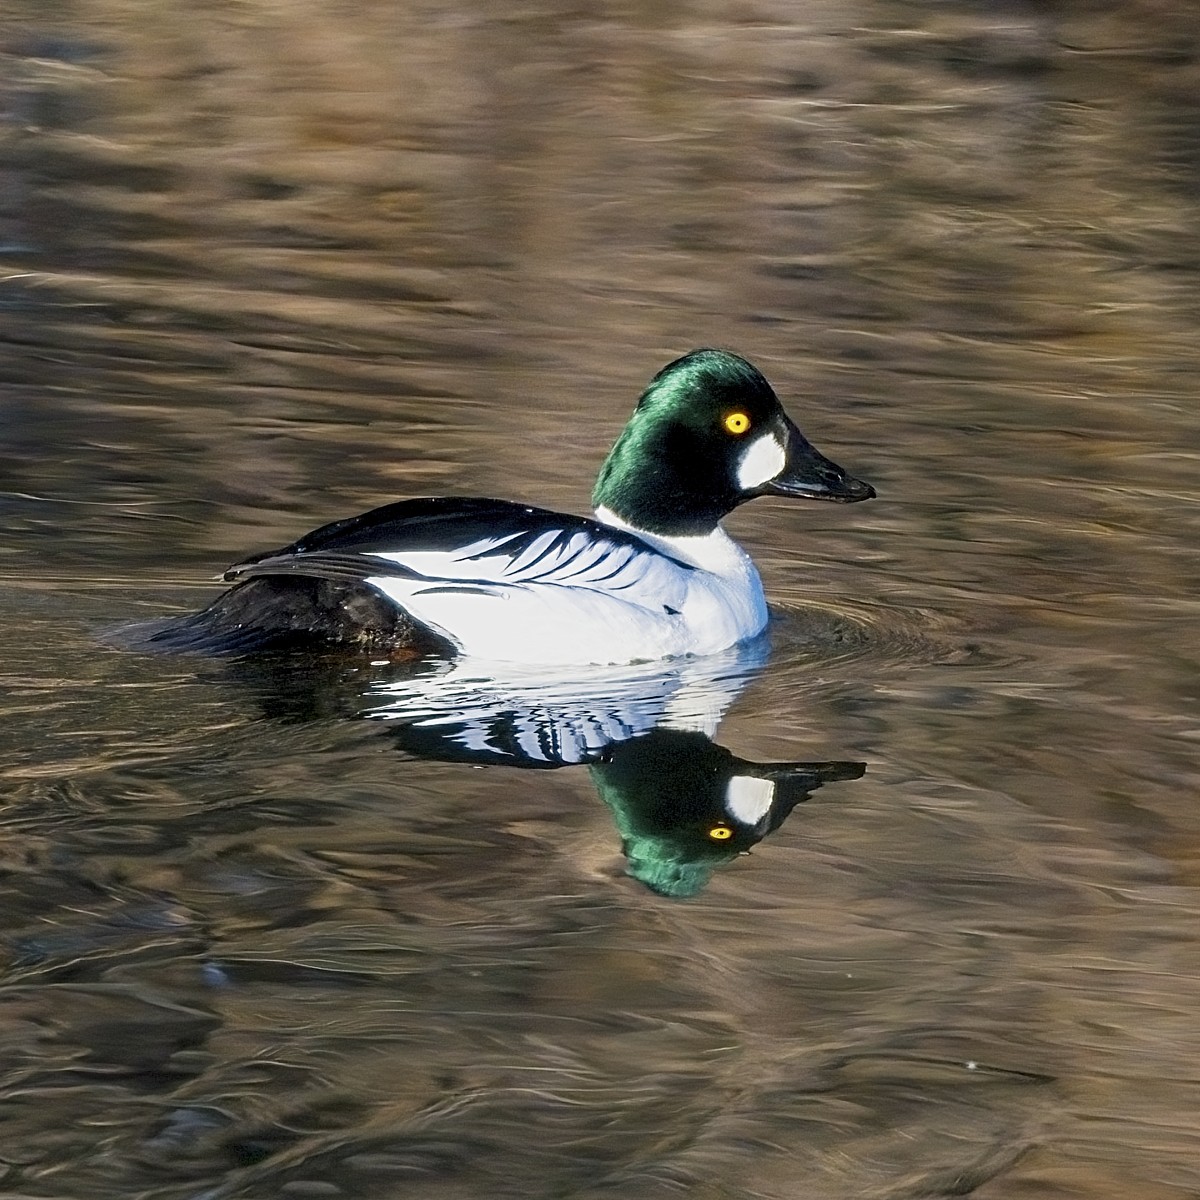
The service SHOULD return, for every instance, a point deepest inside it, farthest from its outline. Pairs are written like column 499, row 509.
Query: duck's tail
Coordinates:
column 286, row 611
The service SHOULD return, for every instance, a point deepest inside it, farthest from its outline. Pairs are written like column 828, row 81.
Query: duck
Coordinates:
column 651, row 575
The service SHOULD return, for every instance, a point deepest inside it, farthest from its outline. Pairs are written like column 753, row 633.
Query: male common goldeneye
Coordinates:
column 653, row 575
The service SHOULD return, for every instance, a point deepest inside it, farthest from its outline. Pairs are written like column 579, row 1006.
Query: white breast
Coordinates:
column 725, row 602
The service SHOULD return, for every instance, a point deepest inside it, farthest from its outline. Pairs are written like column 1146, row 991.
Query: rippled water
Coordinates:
column 265, row 266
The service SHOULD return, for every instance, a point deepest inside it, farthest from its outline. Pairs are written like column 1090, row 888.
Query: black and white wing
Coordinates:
column 449, row 561
column 463, row 541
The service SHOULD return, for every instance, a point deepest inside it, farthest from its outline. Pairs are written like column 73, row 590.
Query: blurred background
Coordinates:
column 265, row 265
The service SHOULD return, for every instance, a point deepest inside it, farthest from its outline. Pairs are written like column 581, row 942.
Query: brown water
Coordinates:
column 266, row 265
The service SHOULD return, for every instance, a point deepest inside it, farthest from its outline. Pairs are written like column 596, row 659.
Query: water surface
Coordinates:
column 267, row 266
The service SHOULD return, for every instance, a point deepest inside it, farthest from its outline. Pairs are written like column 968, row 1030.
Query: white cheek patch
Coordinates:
column 761, row 461
column 747, row 799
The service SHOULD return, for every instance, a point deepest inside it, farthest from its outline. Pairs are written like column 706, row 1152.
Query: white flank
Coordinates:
column 748, row 799
column 612, row 603
column 761, row 461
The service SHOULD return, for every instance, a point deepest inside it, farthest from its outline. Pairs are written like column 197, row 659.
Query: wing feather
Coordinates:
column 464, row 545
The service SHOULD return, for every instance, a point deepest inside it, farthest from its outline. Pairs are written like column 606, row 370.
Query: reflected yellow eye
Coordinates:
column 736, row 423
column 720, row 833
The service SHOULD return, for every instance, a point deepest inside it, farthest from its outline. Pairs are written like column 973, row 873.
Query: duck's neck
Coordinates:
column 652, row 493
column 713, row 551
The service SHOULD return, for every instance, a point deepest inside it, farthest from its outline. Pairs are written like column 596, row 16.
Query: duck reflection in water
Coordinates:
column 683, row 804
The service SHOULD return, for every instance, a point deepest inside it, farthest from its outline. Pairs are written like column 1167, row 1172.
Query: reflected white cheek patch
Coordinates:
column 748, row 799
column 761, row 461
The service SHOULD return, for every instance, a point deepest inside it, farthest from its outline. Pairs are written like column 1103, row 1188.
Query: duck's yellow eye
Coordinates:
column 736, row 423
column 720, row 833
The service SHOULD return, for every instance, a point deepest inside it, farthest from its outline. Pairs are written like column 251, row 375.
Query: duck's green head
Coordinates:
column 708, row 434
